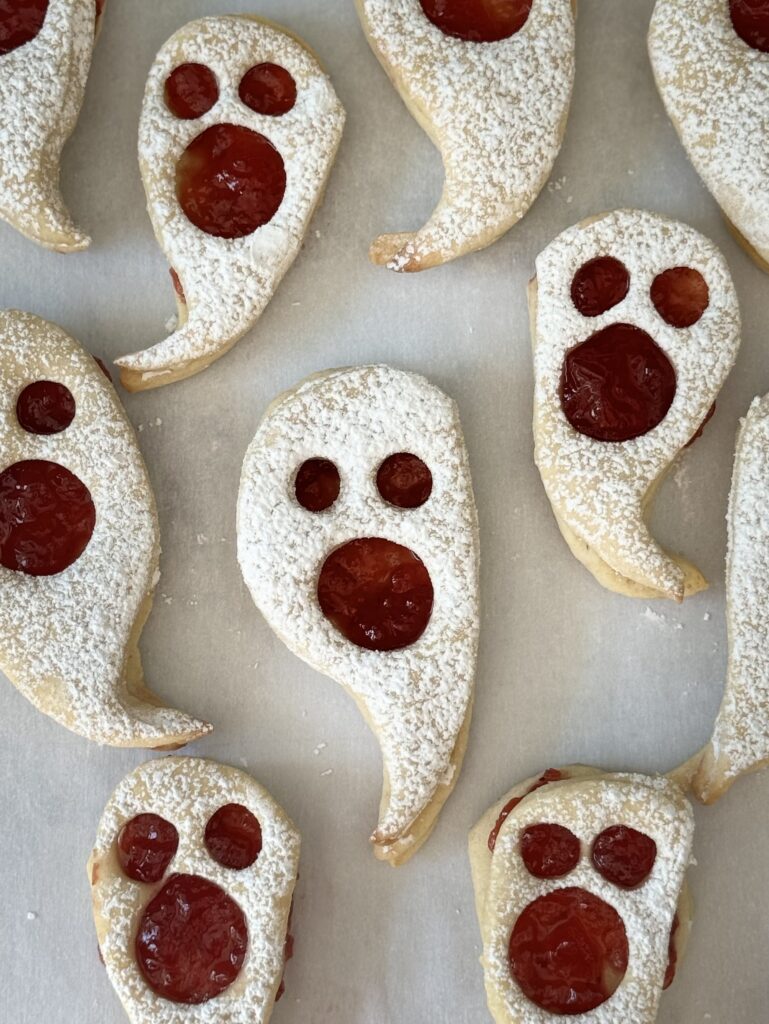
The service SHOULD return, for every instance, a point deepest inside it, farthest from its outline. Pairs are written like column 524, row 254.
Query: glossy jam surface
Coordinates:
column 550, row 775
column 549, row 851
column 46, row 517
column 617, row 385
column 317, row 484
column 234, row 837
column 404, row 480
column 376, row 593
column 230, row 181
column 146, row 846
column 478, row 21
column 624, row 856
column 670, row 970
column 568, row 951
column 20, row 22
column 268, row 89
column 680, row 296
column 191, row 941
column 190, row 91
column 751, row 22
column 45, row 407
column 599, row 285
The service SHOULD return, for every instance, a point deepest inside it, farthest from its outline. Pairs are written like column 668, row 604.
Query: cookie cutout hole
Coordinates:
column 20, row 22
column 230, row 181
column 268, row 89
column 234, row 837
column 624, row 856
column 550, row 775
column 45, row 407
column 751, row 22
column 317, row 484
column 478, row 21
column 376, row 593
column 680, row 296
column 146, row 845
column 599, row 285
column 191, row 90
column 549, row 851
column 617, row 385
column 404, row 480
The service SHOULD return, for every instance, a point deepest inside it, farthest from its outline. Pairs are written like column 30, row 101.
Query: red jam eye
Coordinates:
column 46, row 517
column 478, row 21
column 268, row 89
column 751, row 22
column 680, row 296
column 599, row 285
column 317, row 484
column 376, row 593
column 568, row 951
column 617, row 385
column 623, row 856
column 45, row 407
column 549, row 851
column 190, row 91
column 550, row 775
column 234, row 837
column 191, row 941
column 404, row 480
column 146, row 846
column 230, row 181
column 20, row 22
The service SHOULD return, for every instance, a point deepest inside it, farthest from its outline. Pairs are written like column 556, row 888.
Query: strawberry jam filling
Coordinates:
column 617, row 385
column 404, row 480
column 478, row 21
column 178, row 287
column 376, row 593
column 317, row 484
column 288, row 952
column 624, row 856
column 190, row 91
column 670, row 970
column 20, row 22
column 45, row 407
column 146, row 846
column 46, row 517
column 680, row 296
column 191, row 941
column 268, row 89
column 549, row 851
column 230, row 181
column 550, row 775
column 599, row 285
column 751, row 22
column 234, row 837
column 568, row 951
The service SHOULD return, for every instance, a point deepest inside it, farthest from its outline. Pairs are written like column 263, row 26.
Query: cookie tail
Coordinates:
column 35, row 208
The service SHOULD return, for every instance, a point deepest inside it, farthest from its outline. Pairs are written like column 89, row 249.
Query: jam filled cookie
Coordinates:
column 490, row 83
column 580, row 890
column 79, row 543
column 238, row 133
column 711, row 63
column 45, row 56
column 358, row 538
column 635, row 326
column 192, row 879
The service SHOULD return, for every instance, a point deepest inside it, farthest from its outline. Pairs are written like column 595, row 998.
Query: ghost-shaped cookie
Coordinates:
column 357, row 537
column 238, row 133
column 711, row 64
column 79, row 543
column 580, row 891
column 45, row 56
column 635, row 326
column 491, row 84
column 192, row 877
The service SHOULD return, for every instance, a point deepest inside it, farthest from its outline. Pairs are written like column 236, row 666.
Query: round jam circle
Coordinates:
column 617, row 385
column 20, row 22
column 191, row 941
column 268, row 89
column 404, row 480
column 478, row 21
column 568, row 951
column 190, row 91
column 549, row 851
column 317, row 484
column 234, row 837
column 230, row 181
column 751, row 22
column 680, row 296
column 45, row 407
column 376, row 593
column 599, row 285
column 550, row 775
column 46, row 517
column 146, row 846
column 624, row 856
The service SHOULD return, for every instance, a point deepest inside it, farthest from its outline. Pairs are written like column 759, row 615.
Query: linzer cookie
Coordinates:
column 79, row 543
column 357, row 536
column 238, row 133
column 491, row 84
column 635, row 326
column 192, row 877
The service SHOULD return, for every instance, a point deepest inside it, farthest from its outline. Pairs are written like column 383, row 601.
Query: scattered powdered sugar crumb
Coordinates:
column 328, row 771
column 319, row 748
column 660, row 619
column 202, row 539
column 706, row 617
column 31, row 915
